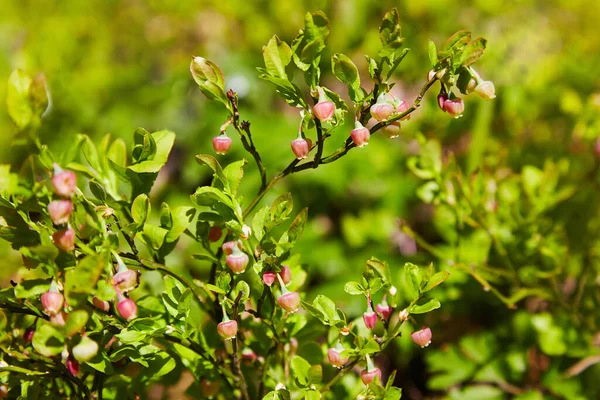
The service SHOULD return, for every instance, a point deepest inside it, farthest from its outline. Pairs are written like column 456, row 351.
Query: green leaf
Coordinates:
column 81, row 280
column 17, row 98
column 297, row 226
column 345, row 70
column 432, row 51
column 48, row 341
column 430, row 305
column 300, row 370
column 326, row 306
column 164, row 142
column 97, row 190
column 390, row 33
column 473, row 51
column 436, row 280
column 413, row 278
column 277, row 55
column 212, row 162
column 258, row 223
column 234, row 173
column 288, row 90
column 354, row 288
column 457, row 40
column 140, row 209
column 76, row 322
column 315, row 375
column 282, row 207
column 208, row 195
column 31, row 288
column 154, row 235
column 181, row 217
column 209, row 78
column 101, row 363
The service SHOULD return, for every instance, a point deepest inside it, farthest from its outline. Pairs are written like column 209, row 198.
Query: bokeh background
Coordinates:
column 112, row 66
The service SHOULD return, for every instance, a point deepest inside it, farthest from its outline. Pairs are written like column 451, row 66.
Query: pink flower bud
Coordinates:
column 126, row 308
column 370, row 318
column 392, row 130
column 64, row 240
column 268, row 278
column 126, row 280
column 246, row 232
column 248, row 356
column 52, row 302
column 403, row 315
column 441, row 99
column 381, row 111
column 222, row 143
column 73, row 366
column 290, row 301
column 59, row 319
column 214, row 234
column 300, row 147
column 28, row 335
column 486, row 90
column 368, row 377
column 60, row 211
column 402, row 107
column 333, row 355
column 228, row 247
column 384, row 309
column 209, row 388
column 285, row 274
column 227, row 329
column 237, row 261
column 101, row 304
column 64, row 183
column 360, row 135
column 324, row 110
column 85, row 350
column 422, row 337
column 454, row 107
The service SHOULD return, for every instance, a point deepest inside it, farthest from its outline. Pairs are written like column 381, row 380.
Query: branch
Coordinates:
column 247, row 142
column 236, row 358
column 342, row 151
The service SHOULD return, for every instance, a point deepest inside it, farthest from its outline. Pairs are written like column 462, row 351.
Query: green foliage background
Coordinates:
column 112, row 66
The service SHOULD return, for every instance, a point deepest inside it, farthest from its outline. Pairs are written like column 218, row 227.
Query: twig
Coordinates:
column 236, row 358
column 581, row 366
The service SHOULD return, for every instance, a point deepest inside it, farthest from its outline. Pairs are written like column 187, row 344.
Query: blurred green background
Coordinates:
column 112, row 66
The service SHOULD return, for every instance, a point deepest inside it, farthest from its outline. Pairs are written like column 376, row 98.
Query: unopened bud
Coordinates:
column 422, row 337
column 324, row 109
column 248, row 356
column 126, row 280
column 441, row 100
column 222, row 143
column 85, row 350
column 370, row 318
column 300, row 148
column 290, row 301
column 246, row 232
column 64, row 183
column 268, row 278
column 101, row 304
column 126, row 308
column 401, row 108
column 333, row 355
column 384, row 309
column 52, row 301
column 229, row 246
column 28, row 335
column 392, row 130
column 64, row 240
column 403, row 315
column 59, row 319
column 237, row 261
column 60, row 211
column 285, row 274
column 214, row 234
column 455, row 107
column 382, row 109
column 368, row 377
column 227, row 329
column 73, row 366
column 486, row 90
column 360, row 135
